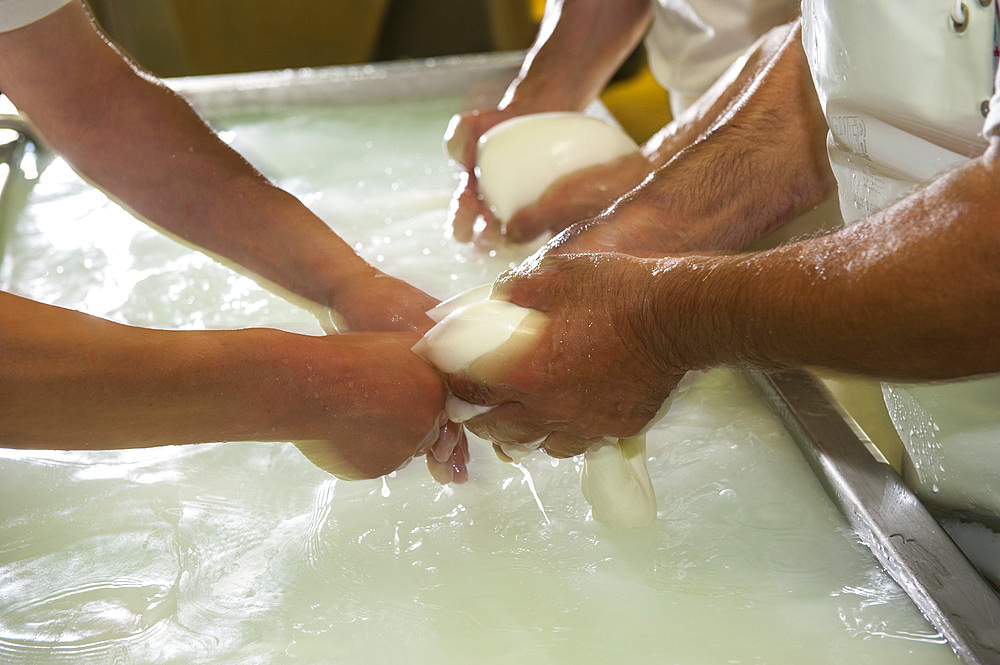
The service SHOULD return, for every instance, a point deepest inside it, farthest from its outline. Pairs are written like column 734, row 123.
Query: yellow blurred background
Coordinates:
column 192, row 37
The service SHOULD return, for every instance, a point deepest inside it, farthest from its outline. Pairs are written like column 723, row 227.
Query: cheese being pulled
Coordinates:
column 616, row 483
column 470, row 328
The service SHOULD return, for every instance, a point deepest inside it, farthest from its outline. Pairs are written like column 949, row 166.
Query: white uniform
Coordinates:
column 692, row 42
column 16, row 14
column 905, row 87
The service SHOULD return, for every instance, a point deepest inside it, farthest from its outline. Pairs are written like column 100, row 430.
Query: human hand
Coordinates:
column 398, row 306
column 449, row 456
column 644, row 223
column 589, row 373
column 372, row 301
column 370, row 405
column 467, row 205
column 582, row 195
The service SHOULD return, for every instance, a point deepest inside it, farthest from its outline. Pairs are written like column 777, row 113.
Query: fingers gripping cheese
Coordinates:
column 471, row 327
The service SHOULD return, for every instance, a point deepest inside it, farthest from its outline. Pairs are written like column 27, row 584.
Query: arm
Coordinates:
column 130, row 134
column 757, row 160
column 760, row 122
column 911, row 293
column 579, row 47
column 364, row 403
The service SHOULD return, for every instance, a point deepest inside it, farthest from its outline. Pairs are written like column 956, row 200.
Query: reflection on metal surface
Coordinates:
column 889, row 519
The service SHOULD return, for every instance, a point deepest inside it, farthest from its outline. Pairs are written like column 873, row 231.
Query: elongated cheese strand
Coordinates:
column 616, row 483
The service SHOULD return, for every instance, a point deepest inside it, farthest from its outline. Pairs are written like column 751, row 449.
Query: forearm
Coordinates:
column 912, row 293
column 579, row 47
column 70, row 380
column 761, row 163
column 145, row 146
column 209, row 196
column 359, row 404
column 775, row 52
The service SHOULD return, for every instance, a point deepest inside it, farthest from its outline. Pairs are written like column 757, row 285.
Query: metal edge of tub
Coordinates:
column 257, row 91
column 888, row 518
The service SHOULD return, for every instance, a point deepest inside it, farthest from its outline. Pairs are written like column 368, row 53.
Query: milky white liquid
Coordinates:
column 246, row 553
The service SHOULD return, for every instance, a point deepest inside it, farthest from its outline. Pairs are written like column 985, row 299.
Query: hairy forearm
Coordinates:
column 912, row 293
column 579, row 47
column 735, row 186
column 775, row 60
column 761, row 163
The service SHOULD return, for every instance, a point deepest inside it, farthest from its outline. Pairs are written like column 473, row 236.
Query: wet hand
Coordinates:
column 369, row 406
column 469, row 217
column 589, row 373
column 376, row 302
column 449, row 456
column 582, row 195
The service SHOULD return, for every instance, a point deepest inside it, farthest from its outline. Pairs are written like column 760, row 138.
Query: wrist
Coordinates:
column 281, row 382
column 688, row 316
column 737, row 311
column 343, row 278
column 540, row 95
column 309, row 259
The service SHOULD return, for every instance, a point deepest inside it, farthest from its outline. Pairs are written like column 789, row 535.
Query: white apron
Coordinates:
column 692, row 42
column 905, row 85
